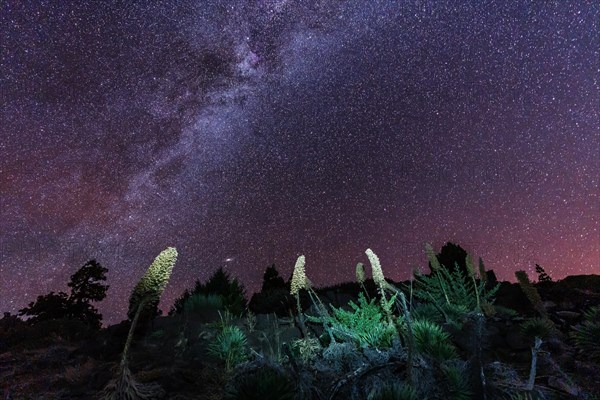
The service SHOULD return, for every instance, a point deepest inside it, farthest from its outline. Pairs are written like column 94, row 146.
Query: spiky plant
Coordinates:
column 457, row 382
column 537, row 327
column 262, row 384
column 432, row 341
column 230, row 346
column 587, row 334
column 393, row 391
column 147, row 291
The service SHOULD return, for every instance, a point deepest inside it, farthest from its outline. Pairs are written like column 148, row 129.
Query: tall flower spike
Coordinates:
column 299, row 279
column 376, row 268
column 433, row 260
column 360, row 273
column 470, row 266
column 153, row 283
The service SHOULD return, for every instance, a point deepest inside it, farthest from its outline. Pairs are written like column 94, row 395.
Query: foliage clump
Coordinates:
column 366, row 325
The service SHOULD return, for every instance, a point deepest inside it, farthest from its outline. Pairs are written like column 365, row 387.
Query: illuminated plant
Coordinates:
column 299, row 282
column 147, row 291
column 365, row 325
column 306, row 348
column 451, row 292
column 383, row 285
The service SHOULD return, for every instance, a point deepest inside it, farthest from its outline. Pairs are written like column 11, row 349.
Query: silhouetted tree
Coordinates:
column 86, row 284
column 274, row 296
column 452, row 255
column 220, row 283
column 86, row 287
column 46, row 307
column 543, row 277
column 272, row 280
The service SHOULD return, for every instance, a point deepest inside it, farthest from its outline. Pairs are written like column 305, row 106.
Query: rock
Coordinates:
column 265, row 322
column 567, row 305
column 549, row 304
column 568, row 315
column 562, row 385
column 516, row 340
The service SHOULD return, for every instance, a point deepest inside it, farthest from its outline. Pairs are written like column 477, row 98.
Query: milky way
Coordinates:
column 247, row 133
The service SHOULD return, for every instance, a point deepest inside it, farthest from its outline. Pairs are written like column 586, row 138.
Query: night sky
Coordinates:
column 245, row 133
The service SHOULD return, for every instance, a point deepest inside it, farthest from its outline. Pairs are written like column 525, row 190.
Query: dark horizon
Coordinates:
column 247, row 133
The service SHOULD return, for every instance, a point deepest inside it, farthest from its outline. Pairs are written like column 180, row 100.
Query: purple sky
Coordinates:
column 255, row 131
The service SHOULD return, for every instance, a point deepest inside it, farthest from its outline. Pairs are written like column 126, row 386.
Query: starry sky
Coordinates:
column 245, row 133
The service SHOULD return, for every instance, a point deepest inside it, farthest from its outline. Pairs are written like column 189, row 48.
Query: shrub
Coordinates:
column 457, row 382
